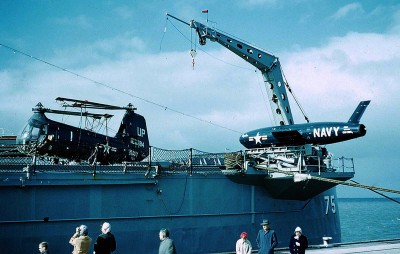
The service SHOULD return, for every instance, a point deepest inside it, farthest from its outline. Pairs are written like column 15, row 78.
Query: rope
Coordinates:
column 373, row 188
column 233, row 160
column 358, row 185
column 383, row 195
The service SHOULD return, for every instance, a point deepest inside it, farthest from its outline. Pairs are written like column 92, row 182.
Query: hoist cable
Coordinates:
column 210, row 55
column 294, row 97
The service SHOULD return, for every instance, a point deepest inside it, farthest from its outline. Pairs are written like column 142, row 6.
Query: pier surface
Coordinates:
column 389, row 246
column 370, row 247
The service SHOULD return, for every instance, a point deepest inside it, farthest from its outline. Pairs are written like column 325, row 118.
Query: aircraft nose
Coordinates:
column 242, row 139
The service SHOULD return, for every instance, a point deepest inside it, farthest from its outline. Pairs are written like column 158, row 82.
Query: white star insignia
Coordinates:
column 258, row 138
column 106, row 148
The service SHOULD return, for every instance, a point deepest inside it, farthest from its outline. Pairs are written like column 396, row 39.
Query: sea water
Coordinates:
column 364, row 219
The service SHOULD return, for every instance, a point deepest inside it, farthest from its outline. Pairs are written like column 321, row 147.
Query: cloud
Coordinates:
column 124, row 12
column 256, row 3
column 81, row 21
column 348, row 69
column 259, row 2
column 395, row 29
column 99, row 51
column 347, row 10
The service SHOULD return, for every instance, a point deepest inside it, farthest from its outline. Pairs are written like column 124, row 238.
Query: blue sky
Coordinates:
column 334, row 54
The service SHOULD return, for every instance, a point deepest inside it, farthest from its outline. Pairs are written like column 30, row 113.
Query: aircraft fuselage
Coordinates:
column 300, row 134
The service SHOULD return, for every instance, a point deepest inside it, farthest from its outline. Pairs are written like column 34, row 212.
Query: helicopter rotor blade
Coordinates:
column 93, row 105
column 72, row 113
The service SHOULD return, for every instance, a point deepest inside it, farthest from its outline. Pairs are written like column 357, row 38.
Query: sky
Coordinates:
column 333, row 53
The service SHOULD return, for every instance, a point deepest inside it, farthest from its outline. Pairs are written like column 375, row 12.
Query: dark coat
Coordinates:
column 294, row 249
column 266, row 241
column 105, row 244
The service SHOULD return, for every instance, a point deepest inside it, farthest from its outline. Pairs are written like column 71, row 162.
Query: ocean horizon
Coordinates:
column 367, row 219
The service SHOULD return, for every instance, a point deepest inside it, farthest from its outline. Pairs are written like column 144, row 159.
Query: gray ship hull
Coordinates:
column 204, row 210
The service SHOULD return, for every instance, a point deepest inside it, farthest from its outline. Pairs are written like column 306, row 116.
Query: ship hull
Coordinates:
column 205, row 211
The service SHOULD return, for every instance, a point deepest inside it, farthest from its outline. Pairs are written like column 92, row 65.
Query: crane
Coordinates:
column 266, row 63
column 285, row 133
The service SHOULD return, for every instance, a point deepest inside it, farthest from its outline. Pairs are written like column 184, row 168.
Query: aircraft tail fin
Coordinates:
column 357, row 114
column 134, row 131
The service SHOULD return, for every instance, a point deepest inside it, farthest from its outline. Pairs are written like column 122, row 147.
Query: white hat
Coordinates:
column 298, row 229
column 106, row 227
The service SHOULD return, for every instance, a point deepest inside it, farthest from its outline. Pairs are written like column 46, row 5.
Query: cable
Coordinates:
column 116, row 89
column 323, row 179
column 182, row 200
column 261, row 85
column 295, row 98
column 216, row 58
column 165, row 31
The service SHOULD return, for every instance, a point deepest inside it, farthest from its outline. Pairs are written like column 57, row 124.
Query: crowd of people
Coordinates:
column 266, row 240
column 105, row 242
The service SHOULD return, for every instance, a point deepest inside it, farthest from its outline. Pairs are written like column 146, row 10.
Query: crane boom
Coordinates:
column 267, row 63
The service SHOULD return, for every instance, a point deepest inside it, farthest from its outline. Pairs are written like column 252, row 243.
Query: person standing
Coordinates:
column 44, row 248
column 243, row 245
column 266, row 239
column 105, row 242
column 80, row 240
column 167, row 245
column 298, row 242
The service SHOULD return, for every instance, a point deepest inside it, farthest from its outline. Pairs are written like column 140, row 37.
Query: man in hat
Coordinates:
column 266, row 239
column 298, row 242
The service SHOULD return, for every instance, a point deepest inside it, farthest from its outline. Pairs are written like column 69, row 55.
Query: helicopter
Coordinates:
column 45, row 137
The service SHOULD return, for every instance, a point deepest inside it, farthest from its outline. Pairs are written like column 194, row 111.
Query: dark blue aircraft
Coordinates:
column 307, row 133
column 43, row 136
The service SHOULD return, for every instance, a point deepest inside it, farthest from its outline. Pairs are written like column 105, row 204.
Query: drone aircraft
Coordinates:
column 319, row 133
column 43, row 136
column 285, row 132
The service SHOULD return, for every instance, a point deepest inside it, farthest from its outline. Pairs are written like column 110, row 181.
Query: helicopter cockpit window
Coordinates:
column 35, row 132
column 26, row 133
column 30, row 132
